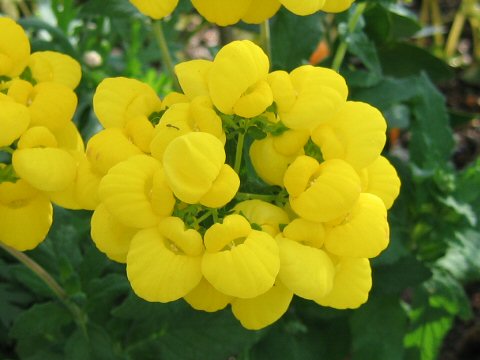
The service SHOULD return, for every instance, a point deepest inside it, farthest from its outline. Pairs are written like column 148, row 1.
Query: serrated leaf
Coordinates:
column 44, row 319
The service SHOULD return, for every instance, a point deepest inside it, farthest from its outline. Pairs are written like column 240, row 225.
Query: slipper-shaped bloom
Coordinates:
column 192, row 76
column 268, row 216
column 321, row 192
column 222, row 12
column 195, row 169
column 363, row 232
column 237, row 79
column 305, row 270
column 20, row 91
column 110, row 236
column 109, row 147
column 156, row 9
column 25, row 215
column 351, row 285
column 303, row 7
column 183, row 118
column 163, row 263
column 308, row 96
column 50, row 66
column 336, row 6
column 206, row 298
column 355, row 134
column 272, row 155
column 263, row 310
column 14, row 120
column 14, row 48
column 239, row 261
column 52, row 105
column 41, row 163
column 260, row 11
column 120, row 99
column 135, row 192
column 305, row 232
column 381, row 179
column 86, row 185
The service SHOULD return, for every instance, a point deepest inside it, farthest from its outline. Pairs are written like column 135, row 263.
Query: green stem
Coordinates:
column 352, row 24
column 265, row 36
column 239, row 152
column 204, row 216
column 166, row 56
column 51, row 283
column 6, row 149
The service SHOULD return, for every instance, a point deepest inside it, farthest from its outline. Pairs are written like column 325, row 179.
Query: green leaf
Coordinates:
column 382, row 317
column 287, row 29
column 96, row 345
column 44, row 319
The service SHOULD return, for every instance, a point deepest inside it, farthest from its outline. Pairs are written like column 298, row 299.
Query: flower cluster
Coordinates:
column 247, row 188
column 229, row 12
column 40, row 146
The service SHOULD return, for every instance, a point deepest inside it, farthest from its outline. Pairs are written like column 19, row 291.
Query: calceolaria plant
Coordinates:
column 245, row 189
column 40, row 146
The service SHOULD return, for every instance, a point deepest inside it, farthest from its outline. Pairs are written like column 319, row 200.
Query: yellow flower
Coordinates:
column 108, row 148
column 248, row 259
column 305, row 270
column 264, row 214
column 305, row 232
column 263, row 310
column 14, row 48
column 25, row 215
column 86, row 185
column 222, row 12
column 335, row 6
column 156, row 9
column 20, row 91
column 50, row 66
column 308, row 96
column 303, row 7
column 192, row 76
column 363, row 232
column 259, row 11
column 272, row 155
column 110, row 235
column 135, row 192
column 163, row 263
column 237, row 80
column 355, row 134
column 14, row 120
column 118, row 100
column 52, row 105
column 206, row 298
column 195, row 169
column 352, row 283
column 321, row 192
column 183, row 118
column 381, row 179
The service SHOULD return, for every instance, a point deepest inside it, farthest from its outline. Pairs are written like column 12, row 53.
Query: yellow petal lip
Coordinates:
column 321, row 192
column 154, row 8
column 158, row 273
column 336, row 6
column 25, row 215
column 46, row 169
column 249, row 258
column 110, row 236
column 120, row 99
column 263, row 310
column 259, row 11
column 262, row 213
column 382, row 181
column 14, row 48
column 180, row 239
column 192, row 76
column 351, row 286
column 303, row 7
column 363, row 232
column 222, row 12
column 205, row 297
column 14, row 120
column 52, row 66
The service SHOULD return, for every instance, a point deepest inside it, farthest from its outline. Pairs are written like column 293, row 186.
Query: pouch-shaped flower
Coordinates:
column 237, row 80
column 303, row 7
column 351, row 285
column 335, row 6
column 206, row 298
column 321, row 192
column 363, row 232
column 248, row 259
column 14, row 120
column 222, row 12
column 51, row 66
column 156, row 9
column 263, row 310
column 355, row 134
column 163, row 263
column 268, row 216
column 195, row 169
column 14, row 48
column 25, row 215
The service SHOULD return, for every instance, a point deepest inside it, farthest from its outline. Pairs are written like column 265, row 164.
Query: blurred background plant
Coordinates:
column 417, row 61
